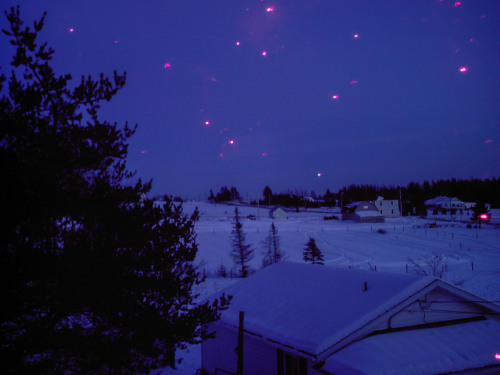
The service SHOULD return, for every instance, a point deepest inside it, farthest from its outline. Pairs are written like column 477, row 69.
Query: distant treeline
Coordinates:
column 413, row 195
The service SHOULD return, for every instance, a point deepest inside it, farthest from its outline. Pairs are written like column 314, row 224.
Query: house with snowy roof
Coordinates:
column 445, row 203
column 311, row 319
column 362, row 212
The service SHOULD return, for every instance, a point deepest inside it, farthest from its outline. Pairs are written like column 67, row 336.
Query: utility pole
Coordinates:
column 400, row 204
column 258, row 207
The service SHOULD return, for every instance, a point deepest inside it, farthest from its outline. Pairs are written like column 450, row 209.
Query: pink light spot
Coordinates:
column 489, row 141
column 484, row 216
column 237, row 43
column 356, row 36
column 116, row 41
column 207, row 123
column 458, row 3
column 221, row 155
column 71, row 29
column 231, row 142
column 167, row 65
column 270, row 9
column 353, row 82
column 497, row 356
column 463, row 69
column 143, row 152
column 213, row 79
column 264, row 154
column 320, row 174
column 471, row 40
column 335, row 97
column 264, row 53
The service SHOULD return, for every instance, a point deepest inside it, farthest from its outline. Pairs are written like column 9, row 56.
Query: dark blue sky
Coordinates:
column 403, row 111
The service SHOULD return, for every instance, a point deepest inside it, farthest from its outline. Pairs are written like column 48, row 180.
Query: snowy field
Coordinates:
column 470, row 256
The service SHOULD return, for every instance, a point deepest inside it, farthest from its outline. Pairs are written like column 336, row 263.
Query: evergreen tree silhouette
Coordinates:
column 311, row 252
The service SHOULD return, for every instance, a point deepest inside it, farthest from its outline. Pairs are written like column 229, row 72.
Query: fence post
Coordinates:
column 240, row 344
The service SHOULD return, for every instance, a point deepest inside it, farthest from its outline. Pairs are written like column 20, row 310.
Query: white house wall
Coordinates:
column 388, row 208
column 219, row 353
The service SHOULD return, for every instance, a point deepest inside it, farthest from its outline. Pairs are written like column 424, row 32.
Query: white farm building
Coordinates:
column 387, row 207
column 313, row 319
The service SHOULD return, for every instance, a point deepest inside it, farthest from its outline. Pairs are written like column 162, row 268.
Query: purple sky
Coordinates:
column 403, row 111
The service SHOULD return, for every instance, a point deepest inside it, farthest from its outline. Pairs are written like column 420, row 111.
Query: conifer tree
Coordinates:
column 241, row 252
column 311, row 252
column 268, row 195
column 95, row 278
column 273, row 253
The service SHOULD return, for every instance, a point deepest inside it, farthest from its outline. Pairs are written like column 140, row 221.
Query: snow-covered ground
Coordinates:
column 470, row 256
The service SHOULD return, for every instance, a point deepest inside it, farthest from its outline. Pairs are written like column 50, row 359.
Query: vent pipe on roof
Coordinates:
column 366, row 286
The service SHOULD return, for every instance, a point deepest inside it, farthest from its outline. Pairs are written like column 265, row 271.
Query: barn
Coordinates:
column 362, row 212
column 312, row 319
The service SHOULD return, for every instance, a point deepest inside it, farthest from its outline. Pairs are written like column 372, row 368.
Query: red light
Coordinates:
column 484, row 217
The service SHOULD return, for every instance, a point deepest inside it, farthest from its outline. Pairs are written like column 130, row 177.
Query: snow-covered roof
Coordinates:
column 368, row 213
column 312, row 307
column 353, row 204
column 421, row 351
column 441, row 200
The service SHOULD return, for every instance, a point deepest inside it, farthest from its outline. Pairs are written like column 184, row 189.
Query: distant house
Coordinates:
column 277, row 213
column 387, row 207
column 445, row 204
column 362, row 212
column 310, row 320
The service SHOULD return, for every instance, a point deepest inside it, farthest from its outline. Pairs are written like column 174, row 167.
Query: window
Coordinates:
column 289, row 364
